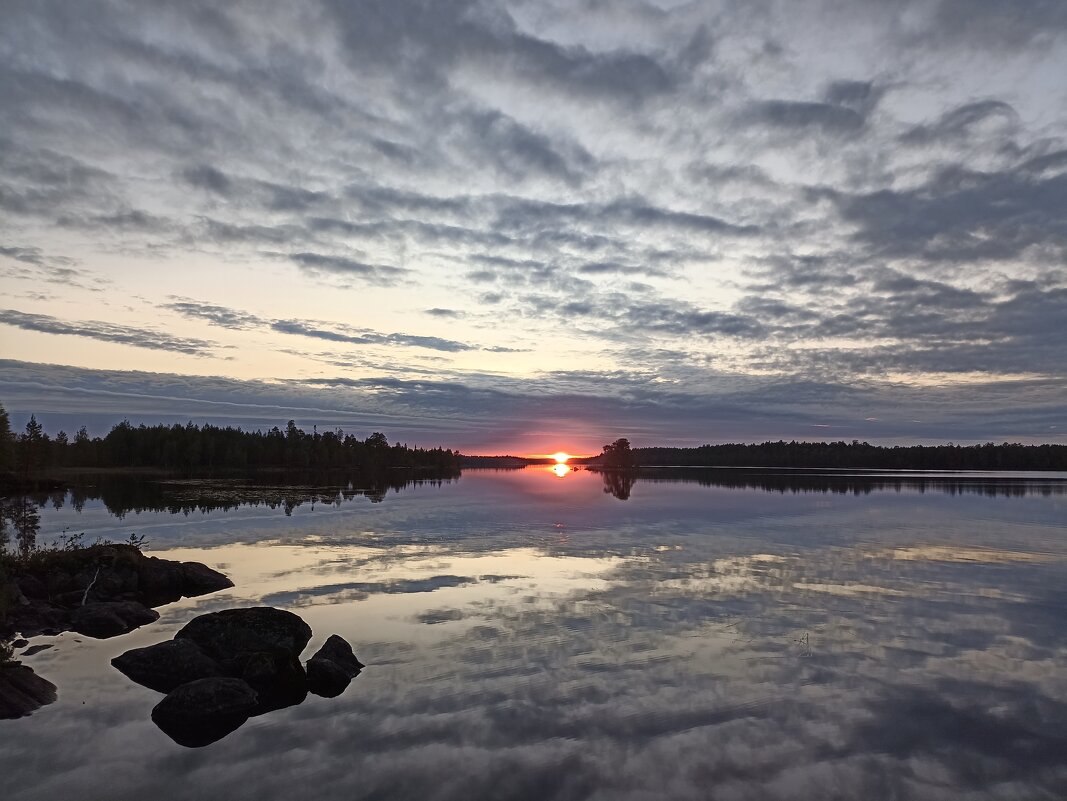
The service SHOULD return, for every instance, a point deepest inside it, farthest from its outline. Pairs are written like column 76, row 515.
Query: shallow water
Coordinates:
column 688, row 634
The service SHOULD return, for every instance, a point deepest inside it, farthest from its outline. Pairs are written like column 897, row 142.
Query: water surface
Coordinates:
column 671, row 634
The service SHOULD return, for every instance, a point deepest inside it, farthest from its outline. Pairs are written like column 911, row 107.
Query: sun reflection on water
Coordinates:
column 560, row 469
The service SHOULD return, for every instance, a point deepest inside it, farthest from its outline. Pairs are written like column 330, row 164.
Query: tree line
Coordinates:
column 846, row 455
column 192, row 448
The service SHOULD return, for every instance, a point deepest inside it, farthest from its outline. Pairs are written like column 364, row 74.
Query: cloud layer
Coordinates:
column 679, row 200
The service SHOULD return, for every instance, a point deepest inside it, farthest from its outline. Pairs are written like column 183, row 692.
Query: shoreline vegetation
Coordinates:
column 33, row 458
column 207, row 449
column 854, row 455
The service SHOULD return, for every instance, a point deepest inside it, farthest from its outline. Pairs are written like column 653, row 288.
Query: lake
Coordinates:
column 674, row 634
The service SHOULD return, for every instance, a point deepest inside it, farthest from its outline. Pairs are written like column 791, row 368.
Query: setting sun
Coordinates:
column 561, row 457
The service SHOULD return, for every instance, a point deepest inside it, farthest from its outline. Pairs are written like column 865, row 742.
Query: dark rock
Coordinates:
column 36, row 618
column 200, row 712
column 167, row 665
column 71, row 598
column 332, row 668
column 20, row 643
column 198, row 579
column 326, row 678
column 277, row 677
column 58, row 581
column 261, row 645
column 104, row 582
column 35, row 649
column 233, row 634
column 33, row 588
column 338, row 651
column 22, row 691
column 99, row 620
column 159, row 580
column 134, row 613
column 111, row 618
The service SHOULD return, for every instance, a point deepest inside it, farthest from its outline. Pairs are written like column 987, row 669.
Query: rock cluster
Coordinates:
column 225, row 667
column 102, row 591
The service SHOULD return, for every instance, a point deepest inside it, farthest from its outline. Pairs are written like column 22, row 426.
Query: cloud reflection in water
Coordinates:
column 694, row 642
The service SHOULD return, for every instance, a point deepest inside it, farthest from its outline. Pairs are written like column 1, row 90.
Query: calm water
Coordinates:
column 690, row 634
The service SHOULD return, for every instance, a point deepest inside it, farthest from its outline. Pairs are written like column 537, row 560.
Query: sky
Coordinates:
column 525, row 226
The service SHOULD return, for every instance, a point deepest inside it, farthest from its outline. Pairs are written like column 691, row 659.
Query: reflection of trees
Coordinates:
column 619, row 483
column 842, row 483
column 123, row 494
column 20, row 515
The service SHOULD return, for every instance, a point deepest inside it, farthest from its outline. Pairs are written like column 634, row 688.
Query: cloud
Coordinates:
column 234, row 319
column 441, row 37
column 318, row 264
column 302, row 328
column 108, row 332
column 221, row 316
column 800, row 116
column 960, row 122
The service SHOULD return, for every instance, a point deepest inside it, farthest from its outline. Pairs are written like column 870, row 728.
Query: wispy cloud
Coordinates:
column 108, row 332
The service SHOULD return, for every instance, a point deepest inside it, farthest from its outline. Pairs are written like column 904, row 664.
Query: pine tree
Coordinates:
column 7, row 452
column 31, row 445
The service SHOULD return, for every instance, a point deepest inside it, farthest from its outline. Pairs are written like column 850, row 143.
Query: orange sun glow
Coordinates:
column 561, row 457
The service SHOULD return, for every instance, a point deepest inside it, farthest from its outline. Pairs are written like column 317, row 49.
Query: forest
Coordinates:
column 846, row 455
column 191, row 448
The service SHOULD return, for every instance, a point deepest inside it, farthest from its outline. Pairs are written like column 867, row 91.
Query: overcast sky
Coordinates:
column 524, row 226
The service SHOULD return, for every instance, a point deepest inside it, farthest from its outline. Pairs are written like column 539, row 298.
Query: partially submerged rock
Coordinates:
column 232, row 634
column 167, row 665
column 277, row 677
column 22, row 691
column 111, row 618
column 332, row 668
column 261, row 645
column 338, row 651
column 165, row 581
column 326, row 678
column 200, row 712
column 199, row 579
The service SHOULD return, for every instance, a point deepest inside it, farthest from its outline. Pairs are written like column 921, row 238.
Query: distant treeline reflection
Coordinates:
column 125, row 493
column 620, row 483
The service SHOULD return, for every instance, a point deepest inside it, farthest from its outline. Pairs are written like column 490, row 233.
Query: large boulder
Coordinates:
column 233, row 634
column 200, row 712
column 22, row 691
column 277, row 677
column 261, row 645
column 111, row 618
column 167, row 665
